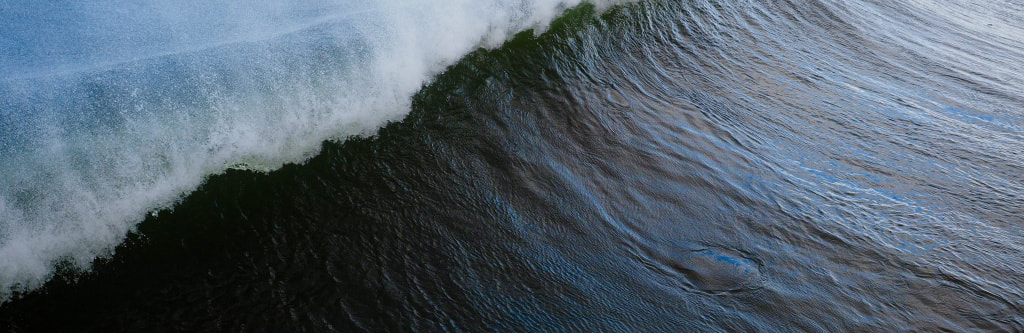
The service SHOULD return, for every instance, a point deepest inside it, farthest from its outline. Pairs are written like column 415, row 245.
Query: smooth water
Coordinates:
column 665, row 166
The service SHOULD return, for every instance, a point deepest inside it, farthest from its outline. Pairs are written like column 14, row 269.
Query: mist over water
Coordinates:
column 665, row 166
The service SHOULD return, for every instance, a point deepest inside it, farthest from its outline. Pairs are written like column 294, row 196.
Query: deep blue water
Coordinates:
column 647, row 166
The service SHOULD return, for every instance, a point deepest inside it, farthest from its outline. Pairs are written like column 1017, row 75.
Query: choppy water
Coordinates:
column 663, row 166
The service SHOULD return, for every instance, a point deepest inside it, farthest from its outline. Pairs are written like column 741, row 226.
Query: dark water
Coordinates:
column 666, row 166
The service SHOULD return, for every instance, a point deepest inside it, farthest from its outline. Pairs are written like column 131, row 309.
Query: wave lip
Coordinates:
column 101, row 124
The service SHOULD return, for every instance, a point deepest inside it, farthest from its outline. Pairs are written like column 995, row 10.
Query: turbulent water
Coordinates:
column 639, row 166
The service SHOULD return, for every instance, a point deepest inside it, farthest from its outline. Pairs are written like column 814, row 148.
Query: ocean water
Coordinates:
column 661, row 166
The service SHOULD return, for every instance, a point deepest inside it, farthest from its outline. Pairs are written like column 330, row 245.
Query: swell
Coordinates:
column 103, row 127
column 729, row 166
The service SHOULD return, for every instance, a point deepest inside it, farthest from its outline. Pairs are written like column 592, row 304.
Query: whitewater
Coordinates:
column 112, row 110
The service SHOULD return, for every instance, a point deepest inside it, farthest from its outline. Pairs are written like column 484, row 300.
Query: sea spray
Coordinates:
column 110, row 110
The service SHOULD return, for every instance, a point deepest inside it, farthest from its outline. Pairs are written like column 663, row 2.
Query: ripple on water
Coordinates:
column 709, row 270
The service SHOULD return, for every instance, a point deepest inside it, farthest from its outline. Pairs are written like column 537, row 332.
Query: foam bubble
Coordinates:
column 111, row 109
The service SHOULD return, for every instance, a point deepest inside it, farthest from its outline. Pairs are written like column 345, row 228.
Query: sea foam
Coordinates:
column 110, row 110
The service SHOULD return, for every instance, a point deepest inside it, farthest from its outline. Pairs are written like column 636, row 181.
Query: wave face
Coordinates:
column 707, row 166
column 112, row 109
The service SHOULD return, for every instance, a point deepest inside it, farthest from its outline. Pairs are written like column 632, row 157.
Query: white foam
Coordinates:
column 111, row 109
